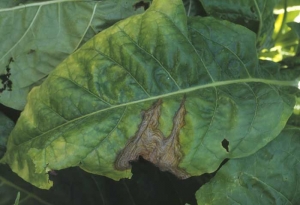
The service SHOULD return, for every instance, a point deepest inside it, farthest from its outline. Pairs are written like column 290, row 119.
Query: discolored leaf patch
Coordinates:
column 151, row 144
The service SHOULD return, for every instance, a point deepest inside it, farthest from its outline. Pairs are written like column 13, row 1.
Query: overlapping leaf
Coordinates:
column 257, row 15
column 166, row 86
column 36, row 37
column 192, row 7
column 6, row 126
column 270, row 176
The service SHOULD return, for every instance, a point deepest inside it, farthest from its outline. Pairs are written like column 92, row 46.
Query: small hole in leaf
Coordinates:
column 225, row 144
column 52, row 172
column 252, row 9
column 140, row 4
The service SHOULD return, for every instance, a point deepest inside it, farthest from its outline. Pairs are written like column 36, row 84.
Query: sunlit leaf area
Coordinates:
column 286, row 32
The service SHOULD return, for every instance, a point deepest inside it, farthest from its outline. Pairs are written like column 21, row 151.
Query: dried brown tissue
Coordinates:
column 149, row 142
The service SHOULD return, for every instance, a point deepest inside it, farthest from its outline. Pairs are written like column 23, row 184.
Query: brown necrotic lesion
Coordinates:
column 151, row 144
column 5, row 78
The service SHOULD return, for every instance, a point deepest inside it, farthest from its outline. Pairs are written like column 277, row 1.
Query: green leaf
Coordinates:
column 17, row 199
column 6, row 127
column 294, row 120
column 9, row 3
column 38, row 36
column 255, row 15
column 157, row 85
column 270, row 176
column 295, row 27
column 192, row 7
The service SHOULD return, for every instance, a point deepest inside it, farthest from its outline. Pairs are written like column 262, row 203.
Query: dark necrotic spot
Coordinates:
column 4, row 78
column 225, row 144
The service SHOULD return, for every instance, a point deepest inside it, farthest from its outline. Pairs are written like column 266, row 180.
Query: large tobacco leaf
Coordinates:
column 270, row 176
column 158, row 85
column 37, row 36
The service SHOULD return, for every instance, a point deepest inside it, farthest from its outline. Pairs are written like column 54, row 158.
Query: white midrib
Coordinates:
column 210, row 85
column 183, row 91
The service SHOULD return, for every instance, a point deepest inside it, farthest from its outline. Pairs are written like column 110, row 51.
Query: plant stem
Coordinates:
column 282, row 22
column 260, row 22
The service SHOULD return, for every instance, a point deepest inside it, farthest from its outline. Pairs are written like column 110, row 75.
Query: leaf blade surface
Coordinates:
column 39, row 35
column 273, row 171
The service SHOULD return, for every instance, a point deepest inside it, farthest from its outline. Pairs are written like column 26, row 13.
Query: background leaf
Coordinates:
column 6, row 127
column 295, row 27
column 91, row 106
column 269, row 176
column 39, row 35
column 193, row 8
column 256, row 15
